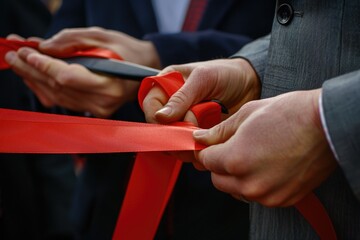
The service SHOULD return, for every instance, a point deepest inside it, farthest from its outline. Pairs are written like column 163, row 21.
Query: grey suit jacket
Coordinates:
column 320, row 47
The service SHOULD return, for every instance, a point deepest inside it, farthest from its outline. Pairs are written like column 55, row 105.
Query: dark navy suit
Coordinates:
column 196, row 210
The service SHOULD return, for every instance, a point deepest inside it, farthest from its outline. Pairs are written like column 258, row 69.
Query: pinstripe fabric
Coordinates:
column 320, row 46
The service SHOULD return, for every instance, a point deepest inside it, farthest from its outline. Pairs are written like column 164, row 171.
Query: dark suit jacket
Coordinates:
column 225, row 27
column 318, row 50
column 32, row 205
column 197, row 210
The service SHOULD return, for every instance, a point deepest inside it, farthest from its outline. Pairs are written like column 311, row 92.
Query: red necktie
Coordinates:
column 194, row 14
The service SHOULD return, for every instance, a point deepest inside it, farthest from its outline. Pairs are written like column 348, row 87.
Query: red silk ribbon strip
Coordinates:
column 31, row 132
column 13, row 45
column 316, row 215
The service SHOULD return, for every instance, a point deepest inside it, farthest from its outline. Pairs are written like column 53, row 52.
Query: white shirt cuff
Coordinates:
column 326, row 130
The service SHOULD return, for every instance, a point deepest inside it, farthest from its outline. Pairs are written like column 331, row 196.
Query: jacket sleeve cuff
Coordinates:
column 184, row 47
column 340, row 102
column 256, row 54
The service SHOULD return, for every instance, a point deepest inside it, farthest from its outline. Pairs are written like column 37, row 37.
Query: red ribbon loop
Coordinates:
column 7, row 45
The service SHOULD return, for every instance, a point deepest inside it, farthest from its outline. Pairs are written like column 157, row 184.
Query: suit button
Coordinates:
column 284, row 14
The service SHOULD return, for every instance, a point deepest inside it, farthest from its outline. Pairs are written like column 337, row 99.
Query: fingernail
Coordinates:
column 24, row 52
column 200, row 133
column 10, row 57
column 164, row 111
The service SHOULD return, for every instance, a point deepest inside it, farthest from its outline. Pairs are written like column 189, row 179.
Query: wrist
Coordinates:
column 324, row 126
column 252, row 79
column 250, row 83
column 316, row 95
column 152, row 58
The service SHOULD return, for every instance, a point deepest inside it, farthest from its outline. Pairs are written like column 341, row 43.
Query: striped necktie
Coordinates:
column 194, row 14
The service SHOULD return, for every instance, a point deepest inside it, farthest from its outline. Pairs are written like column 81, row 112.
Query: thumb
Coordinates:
column 219, row 133
column 192, row 92
column 226, row 129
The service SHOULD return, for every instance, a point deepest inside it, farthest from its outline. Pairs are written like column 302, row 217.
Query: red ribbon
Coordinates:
column 154, row 174
column 30, row 132
column 13, row 45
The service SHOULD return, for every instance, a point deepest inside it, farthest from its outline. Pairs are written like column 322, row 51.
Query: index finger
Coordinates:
column 154, row 100
column 211, row 158
column 14, row 36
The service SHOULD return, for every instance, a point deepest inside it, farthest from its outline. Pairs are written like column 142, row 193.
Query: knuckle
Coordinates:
column 107, row 105
column 219, row 185
column 198, row 166
column 96, row 28
column 271, row 201
column 249, row 107
column 171, row 68
column 100, row 112
column 47, row 103
column 64, row 77
column 254, row 190
column 150, row 118
column 65, row 32
column 204, row 77
column 203, row 70
column 205, row 74
column 220, row 130
column 203, row 83
column 44, row 66
column 231, row 167
column 204, row 159
column 179, row 98
column 266, row 195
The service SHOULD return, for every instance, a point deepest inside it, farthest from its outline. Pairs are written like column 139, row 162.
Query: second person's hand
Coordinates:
column 71, row 86
column 231, row 81
column 130, row 49
column 272, row 151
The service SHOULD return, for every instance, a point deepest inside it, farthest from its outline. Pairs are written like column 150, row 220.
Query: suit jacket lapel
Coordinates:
column 145, row 15
column 214, row 12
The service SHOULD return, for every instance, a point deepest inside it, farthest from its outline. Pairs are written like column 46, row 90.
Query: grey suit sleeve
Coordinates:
column 256, row 53
column 341, row 105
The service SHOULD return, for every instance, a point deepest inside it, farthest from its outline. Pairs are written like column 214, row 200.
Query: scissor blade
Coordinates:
column 121, row 69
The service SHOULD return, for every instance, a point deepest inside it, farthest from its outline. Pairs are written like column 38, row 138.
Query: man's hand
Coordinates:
column 272, row 151
column 129, row 48
column 70, row 86
column 231, row 81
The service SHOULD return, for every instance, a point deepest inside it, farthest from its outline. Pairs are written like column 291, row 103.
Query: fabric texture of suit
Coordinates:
column 197, row 210
column 319, row 48
column 35, row 190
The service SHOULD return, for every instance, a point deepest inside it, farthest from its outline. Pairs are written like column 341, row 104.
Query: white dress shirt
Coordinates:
column 170, row 14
